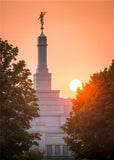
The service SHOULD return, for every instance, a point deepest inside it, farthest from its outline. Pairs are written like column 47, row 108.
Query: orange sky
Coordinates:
column 80, row 36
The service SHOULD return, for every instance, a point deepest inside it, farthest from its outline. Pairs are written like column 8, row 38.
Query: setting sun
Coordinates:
column 75, row 84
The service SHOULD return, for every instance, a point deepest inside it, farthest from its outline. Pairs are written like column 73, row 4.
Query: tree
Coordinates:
column 33, row 154
column 90, row 127
column 18, row 104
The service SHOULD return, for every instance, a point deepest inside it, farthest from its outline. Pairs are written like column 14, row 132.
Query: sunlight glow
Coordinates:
column 74, row 84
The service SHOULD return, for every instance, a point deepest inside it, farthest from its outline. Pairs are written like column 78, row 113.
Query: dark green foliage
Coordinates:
column 90, row 128
column 18, row 104
column 34, row 155
column 30, row 155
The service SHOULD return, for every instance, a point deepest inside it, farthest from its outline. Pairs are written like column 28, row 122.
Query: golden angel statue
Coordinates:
column 42, row 19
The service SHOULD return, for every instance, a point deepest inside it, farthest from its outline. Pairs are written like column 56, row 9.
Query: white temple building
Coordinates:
column 53, row 109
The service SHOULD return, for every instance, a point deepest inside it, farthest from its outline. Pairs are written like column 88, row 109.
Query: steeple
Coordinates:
column 42, row 54
column 42, row 48
column 42, row 79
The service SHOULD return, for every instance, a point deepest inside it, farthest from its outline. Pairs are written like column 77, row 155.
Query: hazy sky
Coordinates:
column 80, row 36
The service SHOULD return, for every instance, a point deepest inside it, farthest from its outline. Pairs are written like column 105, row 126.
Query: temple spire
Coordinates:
column 42, row 78
column 42, row 54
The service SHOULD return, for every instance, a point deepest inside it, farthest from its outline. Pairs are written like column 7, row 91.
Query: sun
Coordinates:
column 74, row 84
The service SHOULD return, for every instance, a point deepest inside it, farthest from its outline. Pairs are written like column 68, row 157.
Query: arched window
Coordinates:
column 65, row 150
column 49, row 150
column 57, row 150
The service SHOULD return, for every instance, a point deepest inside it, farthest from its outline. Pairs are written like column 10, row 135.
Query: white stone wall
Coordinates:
column 53, row 113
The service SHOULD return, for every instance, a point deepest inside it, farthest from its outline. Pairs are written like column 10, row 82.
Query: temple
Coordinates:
column 53, row 109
